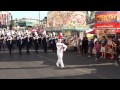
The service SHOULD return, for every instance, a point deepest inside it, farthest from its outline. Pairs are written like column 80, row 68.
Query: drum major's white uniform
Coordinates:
column 61, row 47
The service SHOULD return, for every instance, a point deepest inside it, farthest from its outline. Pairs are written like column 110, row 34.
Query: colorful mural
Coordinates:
column 66, row 19
column 79, row 19
column 57, row 21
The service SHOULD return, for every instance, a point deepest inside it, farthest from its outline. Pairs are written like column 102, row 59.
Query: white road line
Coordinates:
column 22, row 50
column 44, row 57
column 16, row 51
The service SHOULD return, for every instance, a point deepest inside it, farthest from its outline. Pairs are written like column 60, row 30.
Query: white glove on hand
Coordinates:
column 64, row 49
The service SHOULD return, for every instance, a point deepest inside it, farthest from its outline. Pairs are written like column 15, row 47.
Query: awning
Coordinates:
column 117, row 31
column 67, row 28
column 103, row 28
column 92, row 32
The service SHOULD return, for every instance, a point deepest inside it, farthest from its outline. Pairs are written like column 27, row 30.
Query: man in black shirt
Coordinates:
column 20, row 41
column 103, row 46
column 117, row 60
column 28, row 41
column 44, row 42
column 85, row 45
column 36, row 42
column 10, row 43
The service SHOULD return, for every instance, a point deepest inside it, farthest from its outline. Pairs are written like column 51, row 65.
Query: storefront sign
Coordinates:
column 29, row 24
column 106, row 16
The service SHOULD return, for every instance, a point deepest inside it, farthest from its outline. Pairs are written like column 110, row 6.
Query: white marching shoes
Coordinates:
column 116, row 64
column 57, row 65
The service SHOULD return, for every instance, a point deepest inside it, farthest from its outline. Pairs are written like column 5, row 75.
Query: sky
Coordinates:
column 28, row 14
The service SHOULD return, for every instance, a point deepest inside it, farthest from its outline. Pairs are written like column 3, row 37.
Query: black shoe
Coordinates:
column 37, row 52
column 28, row 52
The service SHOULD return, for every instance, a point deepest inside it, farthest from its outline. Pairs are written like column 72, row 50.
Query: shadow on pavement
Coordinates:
column 84, row 76
column 5, row 57
column 25, row 68
column 98, row 73
column 73, row 59
column 73, row 62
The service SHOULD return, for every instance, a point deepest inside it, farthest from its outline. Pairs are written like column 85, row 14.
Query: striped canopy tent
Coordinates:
column 90, row 31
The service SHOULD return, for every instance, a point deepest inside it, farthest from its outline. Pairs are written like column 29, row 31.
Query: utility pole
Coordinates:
column 11, row 22
column 39, row 17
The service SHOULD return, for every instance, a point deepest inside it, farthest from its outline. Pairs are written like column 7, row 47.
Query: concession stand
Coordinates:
column 107, row 23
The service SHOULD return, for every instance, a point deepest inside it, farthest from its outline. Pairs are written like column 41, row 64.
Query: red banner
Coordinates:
column 107, row 25
column 117, row 31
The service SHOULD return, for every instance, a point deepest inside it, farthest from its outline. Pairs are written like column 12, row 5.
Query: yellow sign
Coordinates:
column 90, row 36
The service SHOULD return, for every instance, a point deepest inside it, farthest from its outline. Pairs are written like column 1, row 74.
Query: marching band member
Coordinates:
column 14, row 40
column 9, row 43
column 36, row 42
column 60, row 36
column 44, row 42
column 0, row 33
column 61, row 47
column 0, row 42
column 54, row 42
column 28, row 41
column 40, row 41
column 3, row 42
column 20, row 41
column 50, row 41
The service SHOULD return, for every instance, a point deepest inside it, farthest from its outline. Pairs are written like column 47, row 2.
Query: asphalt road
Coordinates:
column 42, row 66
